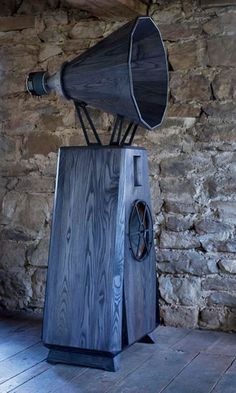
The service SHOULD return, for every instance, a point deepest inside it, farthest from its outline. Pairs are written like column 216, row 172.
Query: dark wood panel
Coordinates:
column 99, row 381
column 125, row 74
column 85, row 275
column 90, row 359
column 139, row 276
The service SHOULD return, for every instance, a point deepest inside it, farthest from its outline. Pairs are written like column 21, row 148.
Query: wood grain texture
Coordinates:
column 203, row 372
column 23, row 377
column 111, row 8
column 22, row 361
column 90, row 304
column 125, row 74
column 139, row 277
column 155, row 374
column 144, row 368
column 102, row 362
column 196, row 341
column 85, row 274
column 51, row 380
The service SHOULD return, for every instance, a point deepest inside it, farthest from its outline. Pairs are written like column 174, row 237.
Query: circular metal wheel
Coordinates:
column 140, row 230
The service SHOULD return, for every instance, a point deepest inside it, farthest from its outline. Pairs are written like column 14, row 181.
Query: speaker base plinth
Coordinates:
column 90, row 359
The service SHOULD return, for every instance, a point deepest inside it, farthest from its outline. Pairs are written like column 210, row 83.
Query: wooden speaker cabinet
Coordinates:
column 101, row 287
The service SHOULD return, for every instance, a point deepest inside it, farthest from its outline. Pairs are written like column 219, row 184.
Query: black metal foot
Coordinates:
column 83, row 359
column 149, row 338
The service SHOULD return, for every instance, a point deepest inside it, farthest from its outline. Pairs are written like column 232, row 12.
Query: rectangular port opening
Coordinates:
column 137, row 171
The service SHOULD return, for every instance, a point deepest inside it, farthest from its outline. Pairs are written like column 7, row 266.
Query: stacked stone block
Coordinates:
column 192, row 156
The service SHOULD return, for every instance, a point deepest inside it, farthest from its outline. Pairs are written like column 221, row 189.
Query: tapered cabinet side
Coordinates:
column 139, row 275
column 83, row 307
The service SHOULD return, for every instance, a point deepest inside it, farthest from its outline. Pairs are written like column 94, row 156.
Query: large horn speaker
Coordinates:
column 124, row 74
column 101, row 293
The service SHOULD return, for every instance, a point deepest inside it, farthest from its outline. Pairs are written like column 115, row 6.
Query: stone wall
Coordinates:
column 192, row 155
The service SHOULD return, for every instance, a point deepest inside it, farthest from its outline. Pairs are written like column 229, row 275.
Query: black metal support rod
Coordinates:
column 132, row 135
column 116, row 124
column 116, row 137
column 126, row 133
column 120, row 130
column 91, row 125
column 78, row 107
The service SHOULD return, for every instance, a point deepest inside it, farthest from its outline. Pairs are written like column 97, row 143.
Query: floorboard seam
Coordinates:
column 18, row 386
column 131, row 372
column 186, row 365
column 182, row 338
column 221, row 376
column 8, row 379
column 17, row 353
column 71, row 380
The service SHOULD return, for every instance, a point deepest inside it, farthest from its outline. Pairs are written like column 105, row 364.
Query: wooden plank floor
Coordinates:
column 182, row 361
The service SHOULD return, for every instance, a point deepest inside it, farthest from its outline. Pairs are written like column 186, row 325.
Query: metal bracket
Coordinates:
column 119, row 137
column 81, row 108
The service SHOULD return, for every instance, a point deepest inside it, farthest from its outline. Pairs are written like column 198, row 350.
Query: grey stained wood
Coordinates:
column 144, row 368
column 224, row 345
column 139, row 277
column 227, row 384
column 50, row 380
column 201, row 375
column 21, row 342
column 24, row 377
column 154, row 374
column 126, row 74
column 84, row 359
column 168, row 336
column 84, row 288
column 196, row 341
column 12, row 326
column 22, row 361
column 89, row 259
column 228, row 381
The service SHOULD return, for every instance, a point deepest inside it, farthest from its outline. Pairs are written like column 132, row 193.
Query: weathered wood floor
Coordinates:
column 182, row 361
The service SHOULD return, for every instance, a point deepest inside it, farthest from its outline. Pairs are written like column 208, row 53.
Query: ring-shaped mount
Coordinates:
column 140, row 230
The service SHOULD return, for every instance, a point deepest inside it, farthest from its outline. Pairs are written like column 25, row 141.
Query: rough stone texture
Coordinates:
column 221, row 51
column 228, row 266
column 222, row 318
column 180, row 316
column 16, row 23
column 192, row 156
column 181, row 290
column 224, row 85
column 225, row 23
column 189, row 87
column 223, row 299
column 183, row 56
